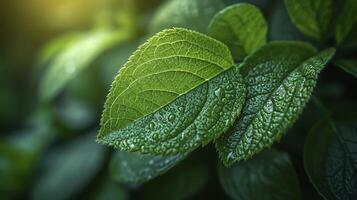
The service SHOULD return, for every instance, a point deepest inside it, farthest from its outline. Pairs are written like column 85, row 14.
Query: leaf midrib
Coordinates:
column 273, row 92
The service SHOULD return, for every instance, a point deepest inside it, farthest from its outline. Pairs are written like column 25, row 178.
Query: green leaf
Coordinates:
column 346, row 19
column 242, row 27
column 135, row 168
column 68, row 169
column 192, row 14
column 330, row 160
column 348, row 65
column 76, row 57
column 312, row 17
column 269, row 175
column 169, row 98
column 280, row 78
column 179, row 183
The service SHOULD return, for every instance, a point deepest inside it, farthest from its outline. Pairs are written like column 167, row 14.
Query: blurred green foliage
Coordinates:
column 57, row 61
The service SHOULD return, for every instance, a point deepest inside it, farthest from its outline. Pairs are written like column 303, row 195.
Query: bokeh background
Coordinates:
column 57, row 61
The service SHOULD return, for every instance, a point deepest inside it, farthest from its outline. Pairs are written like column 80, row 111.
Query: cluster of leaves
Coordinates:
column 232, row 74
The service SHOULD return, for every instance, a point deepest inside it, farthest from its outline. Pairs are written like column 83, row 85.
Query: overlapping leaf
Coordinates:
column 280, row 78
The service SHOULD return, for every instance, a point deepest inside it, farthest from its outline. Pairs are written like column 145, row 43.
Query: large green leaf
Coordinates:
column 348, row 65
column 68, row 169
column 192, row 14
column 280, row 78
column 169, row 98
column 270, row 176
column 312, row 17
column 330, row 160
column 346, row 19
column 134, row 167
column 242, row 27
column 75, row 57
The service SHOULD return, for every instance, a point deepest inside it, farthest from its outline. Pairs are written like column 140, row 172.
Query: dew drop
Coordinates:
column 171, row 117
column 218, row 92
column 230, row 156
column 151, row 162
column 152, row 126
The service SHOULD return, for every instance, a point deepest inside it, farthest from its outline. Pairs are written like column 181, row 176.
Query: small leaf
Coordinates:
column 169, row 98
column 76, row 57
column 330, row 160
column 68, row 169
column 346, row 19
column 192, row 14
column 269, row 175
column 136, row 168
column 280, row 78
column 312, row 17
column 242, row 27
column 348, row 65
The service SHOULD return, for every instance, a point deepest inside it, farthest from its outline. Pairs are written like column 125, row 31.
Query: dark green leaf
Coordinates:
column 109, row 190
column 178, row 184
column 280, row 78
column 330, row 160
column 242, row 27
column 346, row 19
column 269, row 175
column 169, row 98
column 348, row 65
column 192, row 14
column 312, row 17
column 134, row 167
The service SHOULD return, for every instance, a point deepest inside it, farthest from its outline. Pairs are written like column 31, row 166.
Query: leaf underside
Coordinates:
column 135, row 168
column 280, row 78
